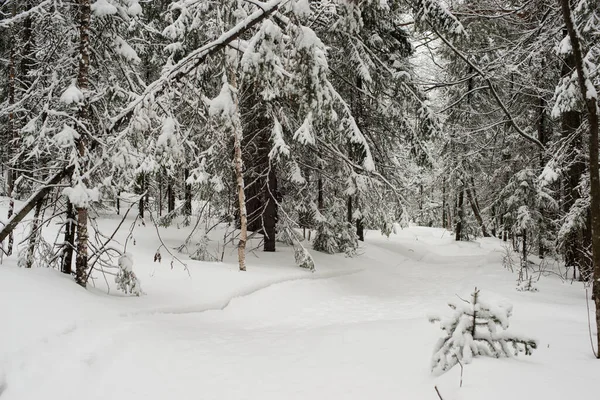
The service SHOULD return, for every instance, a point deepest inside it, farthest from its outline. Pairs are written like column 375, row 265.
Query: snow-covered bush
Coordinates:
column 336, row 237
column 126, row 279
column 201, row 253
column 303, row 258
column 476, row 328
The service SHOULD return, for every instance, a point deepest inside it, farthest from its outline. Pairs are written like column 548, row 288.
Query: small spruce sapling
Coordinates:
column 476, row 328
column 303, row 258
column 201, row 253
column 126, row 279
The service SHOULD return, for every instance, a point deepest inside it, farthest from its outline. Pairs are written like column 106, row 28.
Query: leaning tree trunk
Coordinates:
column 475, row 207
column 12, row 223
column 81, row 259
column 35, row 234
column 591, row 101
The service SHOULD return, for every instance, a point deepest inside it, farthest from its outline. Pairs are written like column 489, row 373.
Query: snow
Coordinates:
column 548, row 175
column 72, row 95
column 304, row 133
column 123, row 48
column 66, row 137
column 81, row 196
column 134, row 9
column 223, row 103
column 302, row 8
column 167, row 135
column 103, row 8
column 354, row 329
column 564, row 47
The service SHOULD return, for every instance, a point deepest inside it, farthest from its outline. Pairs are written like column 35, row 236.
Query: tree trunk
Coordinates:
column 524, row 250
column 187, row 201
column 69, row 243
column 35, row 234
column 460, row 213
column 237, row 146
column 444, row 216
column 320, row 201
column 591, row 101
column 570, row 123
column 542, row 140
column 271, row 209
column 12, row 130
column 475, row 208
column 82, row 82
column 360, row 229
column 141, row 188
column 170, row 195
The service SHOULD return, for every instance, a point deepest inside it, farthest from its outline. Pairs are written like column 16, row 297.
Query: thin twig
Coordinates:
column 438, row 393
column 587, row 303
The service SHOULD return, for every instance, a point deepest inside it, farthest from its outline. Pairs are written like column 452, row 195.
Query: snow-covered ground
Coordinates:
column 355, row 329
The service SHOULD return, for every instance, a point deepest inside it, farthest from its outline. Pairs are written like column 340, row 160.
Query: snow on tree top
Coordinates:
column 102, row 8
column 72, row 95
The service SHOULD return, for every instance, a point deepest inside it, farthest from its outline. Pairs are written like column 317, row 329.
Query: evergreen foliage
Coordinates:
column 476, row 328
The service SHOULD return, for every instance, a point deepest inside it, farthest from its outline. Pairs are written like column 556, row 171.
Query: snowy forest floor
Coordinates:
column 355, row 329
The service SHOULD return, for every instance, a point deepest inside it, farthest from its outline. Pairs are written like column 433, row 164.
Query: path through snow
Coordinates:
column 356, row 335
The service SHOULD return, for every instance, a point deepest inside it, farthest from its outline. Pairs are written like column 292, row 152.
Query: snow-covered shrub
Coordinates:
column 336, row 237
column 126, row 279
column 347, row 240
column 201, row 253
column 526, row 285
column 476, row 328
column 303, row 258
column 325, row 240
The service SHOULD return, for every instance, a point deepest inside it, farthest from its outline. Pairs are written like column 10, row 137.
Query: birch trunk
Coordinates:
column 237, row 160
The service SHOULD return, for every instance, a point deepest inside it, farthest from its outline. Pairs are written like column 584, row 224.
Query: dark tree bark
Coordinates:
column 270, row 213
column 187, row 198
column 542, row 140
column 81, row 259
column 570, row 123
column 261, row 175
column 69, row 242
column 360, row 229
column 591, row 103
column 460, row 212
column 12, row 130
column 170, row 195
column 320, row 200
column 444, row 216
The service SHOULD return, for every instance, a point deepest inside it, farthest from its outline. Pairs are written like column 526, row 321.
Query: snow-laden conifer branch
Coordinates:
column 197, row 57
column 8, row 22
column 476, row 328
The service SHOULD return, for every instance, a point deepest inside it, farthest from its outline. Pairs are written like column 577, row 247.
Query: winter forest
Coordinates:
column 279, row 199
